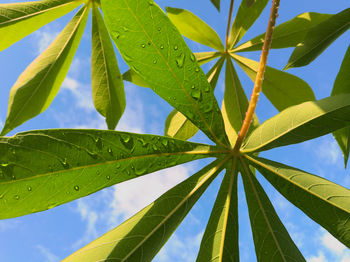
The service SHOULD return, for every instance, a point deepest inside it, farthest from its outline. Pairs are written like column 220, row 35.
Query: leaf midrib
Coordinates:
column 174, row 75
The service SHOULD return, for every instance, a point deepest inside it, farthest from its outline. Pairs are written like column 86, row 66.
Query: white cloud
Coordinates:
column 81, row 93
column 320, row 258
column 44, row 39
column 332, row 244
column 328, row 151
column 47, row 254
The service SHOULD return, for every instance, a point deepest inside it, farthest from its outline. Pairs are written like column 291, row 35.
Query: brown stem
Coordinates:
column 259, row 76
column 228, row 25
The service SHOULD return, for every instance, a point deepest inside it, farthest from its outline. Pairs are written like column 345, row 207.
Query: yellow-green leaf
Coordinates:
column 107, row 83
column 38, row 85
column 18, row 20
column 205, row 57
column 194, row 28
column 141, row 237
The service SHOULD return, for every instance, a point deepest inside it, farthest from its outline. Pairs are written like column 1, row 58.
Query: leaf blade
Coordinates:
column 297, row 124
column 107, row 83
column 194, row 28
column 37, row 86
column 141, row 237
column 311, row 194
column 319, row 38
column 18, row 20
column 78, row 163
column 174, row 69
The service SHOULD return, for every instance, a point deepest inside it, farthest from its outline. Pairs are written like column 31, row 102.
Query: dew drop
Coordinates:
column 143, row 45
column 116, row 35
column 150, row 2
column 165, row 142
column 155, row 148
column 65, row 163
column 154, row 61
column 76, row 188
column 159, row 29
column 29, row 188
column 98, row 142
column 149, row 43
column 196, row 94
column 175, row 47
column 117, row 165
column 193, row 86
column 192, row 57
column 140, row 170
column 161, row 47
column 207, row 88
column 16, row 197
column 125, row 29
column 208, row 108
column 180, row 61
column 197, row 70
column 108, row 177
column 109, row 150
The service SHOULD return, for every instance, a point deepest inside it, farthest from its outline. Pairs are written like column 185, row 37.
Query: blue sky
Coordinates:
column 54, row 234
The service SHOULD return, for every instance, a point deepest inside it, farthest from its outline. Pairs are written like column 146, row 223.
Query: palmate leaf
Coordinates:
column 142, row 236
column 220, row 239
column 342, row 86
column 325, row 202
column 300, row 123
column 287, row 34
column 38, row 85
column 43, row 169
column 107, row 83
column 177, row 125
column 245, row 18
column 194, row 28
column 282, row 89
column 319, row 38
column 271, row 239
column 162, row 59
column 18, row 20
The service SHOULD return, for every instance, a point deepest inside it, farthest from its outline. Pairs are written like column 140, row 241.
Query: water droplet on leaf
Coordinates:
column 76, row 188
column 180, row 60
column 196, row 94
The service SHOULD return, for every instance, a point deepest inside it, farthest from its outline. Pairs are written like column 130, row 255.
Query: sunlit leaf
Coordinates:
column 319, row 38
column 107, row 83
column 282, row 89
column 300, row 123
column 134, row 78
column 18, row 20
column 43, row 169
column 325, row 202
column 38, row 85
column 220, row 239
column 176, row 124
column 271, row 239
column 245, row 18
column 194, row 28
column 205, row 57
column 152, row 47
column 342, row 86
column 141, row 237
column 287, row 34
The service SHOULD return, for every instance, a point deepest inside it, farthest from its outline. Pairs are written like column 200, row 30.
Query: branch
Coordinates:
column 259, row 76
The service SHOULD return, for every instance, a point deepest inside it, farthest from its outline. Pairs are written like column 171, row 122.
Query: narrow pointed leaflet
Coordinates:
column 43, row 169
column 38, row 85
column 287, row 34
column 327, row 203
column 162, row 59
column 342, row 86
column 282, row 89
column 194, row 28
column 319, row 38
column 300, row 123
column 176, row 124
column 271, row 239
column 141, row 237
column 245, row 18
column 18, row 20
column 220, row 239
column 107, row 83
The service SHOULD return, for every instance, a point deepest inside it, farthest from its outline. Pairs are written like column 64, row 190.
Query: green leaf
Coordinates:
column 176, row 124
column 282, row 89
column 319, row 38
column 141, row 237
column 156, row 51
column 220, row 239
column 18, row 20
column 271, row 239
column 245, row 18
column 107, row 83
column 194, row 28
column 46, row 168
column 38, row 85
column 216, row 3
column 327, row 203
column 300, row 123
column 132, row 77
column 287, row 34
column 234, row 104
column 205, row 57
column 342, row 86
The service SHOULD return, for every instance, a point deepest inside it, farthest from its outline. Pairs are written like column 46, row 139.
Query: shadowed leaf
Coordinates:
column 205, row 57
